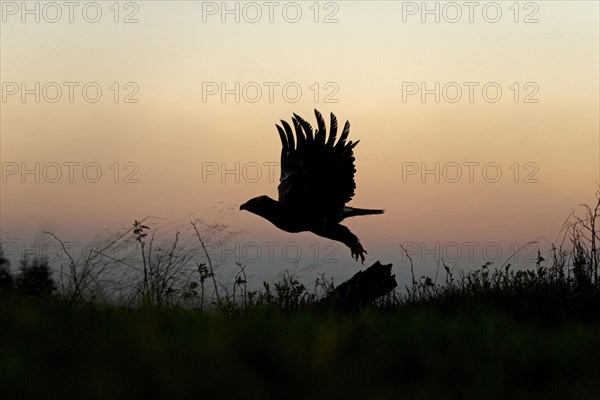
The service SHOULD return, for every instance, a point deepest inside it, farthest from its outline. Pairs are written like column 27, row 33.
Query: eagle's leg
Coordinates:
column 358, row 251
column 342, row 234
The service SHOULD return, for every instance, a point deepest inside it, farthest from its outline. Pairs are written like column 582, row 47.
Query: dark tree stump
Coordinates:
column 363, row 288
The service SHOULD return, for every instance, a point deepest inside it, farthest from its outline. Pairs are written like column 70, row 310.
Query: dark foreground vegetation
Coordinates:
column 495, row 332
column 56, row 350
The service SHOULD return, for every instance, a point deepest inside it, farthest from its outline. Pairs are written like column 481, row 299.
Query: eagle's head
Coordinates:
column 260, row 205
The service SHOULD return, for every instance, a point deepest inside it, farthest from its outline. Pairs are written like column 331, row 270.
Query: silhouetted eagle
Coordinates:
column 317, row 180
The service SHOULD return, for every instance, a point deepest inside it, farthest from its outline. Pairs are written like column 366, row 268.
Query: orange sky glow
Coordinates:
column 476, row 136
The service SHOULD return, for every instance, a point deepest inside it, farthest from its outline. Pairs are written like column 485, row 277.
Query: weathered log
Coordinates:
column 363, row 288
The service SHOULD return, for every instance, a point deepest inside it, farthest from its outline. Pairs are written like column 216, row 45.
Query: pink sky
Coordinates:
column 165, row 154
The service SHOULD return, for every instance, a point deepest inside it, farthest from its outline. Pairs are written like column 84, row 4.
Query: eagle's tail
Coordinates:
column 353, row 212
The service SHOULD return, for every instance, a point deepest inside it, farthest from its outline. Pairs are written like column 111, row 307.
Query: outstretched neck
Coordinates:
column 274, row 212
column 271, row 210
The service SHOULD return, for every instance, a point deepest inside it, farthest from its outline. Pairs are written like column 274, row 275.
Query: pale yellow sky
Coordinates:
column 547, row 149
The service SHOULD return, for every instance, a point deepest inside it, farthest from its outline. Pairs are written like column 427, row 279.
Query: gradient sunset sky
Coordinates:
column 541, row 133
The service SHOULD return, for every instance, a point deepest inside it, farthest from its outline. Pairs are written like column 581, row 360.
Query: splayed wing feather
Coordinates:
column 314, row 174
column 306, row 126
column 321, row 134
column 284, row 140
column 333, row 131
column 284, row 145
column 345, row 133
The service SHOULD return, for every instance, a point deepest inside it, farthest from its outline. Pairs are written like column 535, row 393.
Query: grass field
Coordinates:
column 52, row 349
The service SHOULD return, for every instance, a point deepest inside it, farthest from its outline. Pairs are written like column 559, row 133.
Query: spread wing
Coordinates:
column 317, row 172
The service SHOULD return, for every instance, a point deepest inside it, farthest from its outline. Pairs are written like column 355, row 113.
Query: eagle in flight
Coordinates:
column 317, row 180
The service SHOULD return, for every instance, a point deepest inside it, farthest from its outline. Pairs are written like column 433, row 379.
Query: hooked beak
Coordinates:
column 243, row 207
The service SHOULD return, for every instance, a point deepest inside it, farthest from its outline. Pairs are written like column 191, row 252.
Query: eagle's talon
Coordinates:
column 358, row 251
